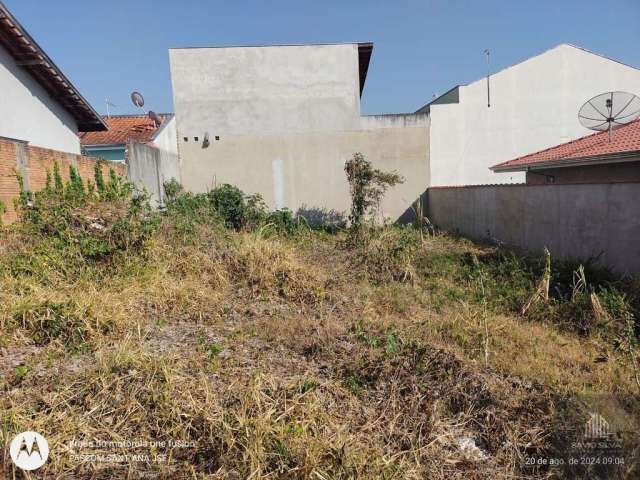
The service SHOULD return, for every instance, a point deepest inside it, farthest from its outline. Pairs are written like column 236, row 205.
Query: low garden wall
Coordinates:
column 32, row 163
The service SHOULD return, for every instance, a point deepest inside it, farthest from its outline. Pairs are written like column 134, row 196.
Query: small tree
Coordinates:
column 97, row 175
column 367, row 187
column 57, row 179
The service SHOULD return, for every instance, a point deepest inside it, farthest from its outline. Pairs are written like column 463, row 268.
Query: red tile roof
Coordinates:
column 624, row 140
column 122, row 128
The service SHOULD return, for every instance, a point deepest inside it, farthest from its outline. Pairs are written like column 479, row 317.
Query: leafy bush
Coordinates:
column 256, row 211
column 188, row 211
column 229, row 205
column 229, row 202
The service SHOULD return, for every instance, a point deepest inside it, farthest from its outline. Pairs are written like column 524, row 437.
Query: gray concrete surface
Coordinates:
column 572, row 221
column 265, row 90
column 150, row 167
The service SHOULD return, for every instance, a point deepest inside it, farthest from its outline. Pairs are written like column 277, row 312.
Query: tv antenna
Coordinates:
column 109, row 104
column 608, row 111
column 487, row 53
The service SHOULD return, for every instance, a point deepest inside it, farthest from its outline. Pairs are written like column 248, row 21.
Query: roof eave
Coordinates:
column 620, row 157
column 364, row 58
column 30, row 56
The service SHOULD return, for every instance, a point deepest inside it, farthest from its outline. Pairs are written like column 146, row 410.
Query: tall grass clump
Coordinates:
column 75, row 221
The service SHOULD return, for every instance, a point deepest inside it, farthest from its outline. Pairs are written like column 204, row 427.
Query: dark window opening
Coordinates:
column 186, row 139
column 217, row 137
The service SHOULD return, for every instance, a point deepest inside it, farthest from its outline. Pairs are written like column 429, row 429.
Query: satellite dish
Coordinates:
column 608, row 111
column 155, row 117
column 137, row 99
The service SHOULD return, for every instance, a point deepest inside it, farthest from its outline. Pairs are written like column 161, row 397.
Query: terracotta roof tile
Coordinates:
column 122, row 128
column 623, row 139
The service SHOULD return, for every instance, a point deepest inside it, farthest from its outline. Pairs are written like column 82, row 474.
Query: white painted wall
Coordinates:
column 27, row 112
column 167, row 138
column 288, row 118
column 534, row 105
column 265, row 90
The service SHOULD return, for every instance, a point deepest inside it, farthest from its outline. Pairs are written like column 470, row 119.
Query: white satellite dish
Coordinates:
column 608, row 111
column 137, row 99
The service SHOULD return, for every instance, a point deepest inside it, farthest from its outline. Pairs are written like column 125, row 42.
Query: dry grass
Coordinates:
column 284, row 358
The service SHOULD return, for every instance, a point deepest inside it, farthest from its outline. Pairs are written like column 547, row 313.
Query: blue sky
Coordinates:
column 422, row 48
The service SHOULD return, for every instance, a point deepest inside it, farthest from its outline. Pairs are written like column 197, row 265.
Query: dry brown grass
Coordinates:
column 277, row 358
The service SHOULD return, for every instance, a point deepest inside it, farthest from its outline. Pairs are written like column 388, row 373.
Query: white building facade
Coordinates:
column 38, row 104
column 282, row 121
column 533, row 105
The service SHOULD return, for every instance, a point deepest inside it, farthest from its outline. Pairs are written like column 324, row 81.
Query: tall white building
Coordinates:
column 533, row 105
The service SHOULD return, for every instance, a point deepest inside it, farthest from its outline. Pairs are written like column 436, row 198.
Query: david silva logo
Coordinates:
column 29, row 450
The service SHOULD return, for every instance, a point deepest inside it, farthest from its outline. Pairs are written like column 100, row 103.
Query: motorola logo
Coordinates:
column 29, row 450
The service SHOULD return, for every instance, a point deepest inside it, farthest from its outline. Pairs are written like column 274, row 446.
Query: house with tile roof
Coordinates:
column 111, row 144
column 39, row 104
column 596, row 158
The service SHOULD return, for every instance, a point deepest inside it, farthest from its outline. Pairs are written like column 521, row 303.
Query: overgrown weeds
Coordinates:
column 273, row 350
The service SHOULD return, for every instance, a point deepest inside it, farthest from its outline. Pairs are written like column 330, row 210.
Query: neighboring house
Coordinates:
column 534, row 105
column 282, row 120
column 39, row 104
column 595, row 158
column 112, row 143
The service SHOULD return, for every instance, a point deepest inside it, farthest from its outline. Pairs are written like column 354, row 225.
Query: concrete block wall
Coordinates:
column 33, row 163
column 576, row 221
column 150, row 168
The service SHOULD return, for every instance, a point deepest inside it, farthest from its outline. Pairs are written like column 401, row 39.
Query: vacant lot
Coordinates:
column 209, row 348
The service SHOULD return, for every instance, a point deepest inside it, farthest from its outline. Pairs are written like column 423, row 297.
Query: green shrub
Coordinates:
column 256, row 211
column 172, row 189
column 282, row 221
column 229, row 202
column 367, row 187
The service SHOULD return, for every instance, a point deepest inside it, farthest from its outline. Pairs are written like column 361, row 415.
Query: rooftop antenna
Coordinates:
column 608, row 111
column 109, row 104
column 487, row 53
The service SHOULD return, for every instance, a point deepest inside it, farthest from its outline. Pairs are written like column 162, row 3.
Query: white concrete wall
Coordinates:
column 534, row 105
column 149, row 168
column 300, row 170
column 288, row 118
column 167, row 139
column 265, row 90
column 27, row 112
